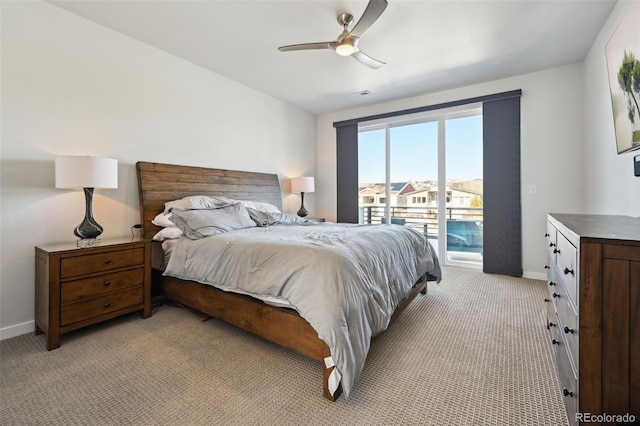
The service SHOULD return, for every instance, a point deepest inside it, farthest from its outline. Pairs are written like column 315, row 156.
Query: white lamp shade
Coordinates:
column 303, row 184
column 86, row 172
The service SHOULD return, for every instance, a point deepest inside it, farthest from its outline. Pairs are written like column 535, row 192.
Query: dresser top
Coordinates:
column 606, row 227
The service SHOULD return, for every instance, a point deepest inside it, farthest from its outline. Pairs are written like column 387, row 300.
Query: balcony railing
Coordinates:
column 464, row 224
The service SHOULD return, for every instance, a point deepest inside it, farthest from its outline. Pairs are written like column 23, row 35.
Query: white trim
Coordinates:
column 17, row 330
column 535, row 275
column 466, row 110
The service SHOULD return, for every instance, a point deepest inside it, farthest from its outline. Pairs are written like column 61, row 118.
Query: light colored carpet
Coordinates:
column 473, row 351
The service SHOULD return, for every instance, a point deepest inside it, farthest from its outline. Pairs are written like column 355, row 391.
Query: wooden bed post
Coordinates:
column 326, row 374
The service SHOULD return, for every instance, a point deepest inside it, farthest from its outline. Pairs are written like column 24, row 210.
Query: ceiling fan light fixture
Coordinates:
column 347, row 42
column 347, row 46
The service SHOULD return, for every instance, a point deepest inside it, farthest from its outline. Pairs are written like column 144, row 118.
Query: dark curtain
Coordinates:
column 347, row 176
column 502, row 208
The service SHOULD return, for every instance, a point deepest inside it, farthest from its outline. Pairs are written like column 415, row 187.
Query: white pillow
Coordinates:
column 168, row 233
column 163, row 220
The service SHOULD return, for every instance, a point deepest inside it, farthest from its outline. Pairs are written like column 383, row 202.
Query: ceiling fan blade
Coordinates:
column 367, row 60
column 308, row 46
column 371, row 14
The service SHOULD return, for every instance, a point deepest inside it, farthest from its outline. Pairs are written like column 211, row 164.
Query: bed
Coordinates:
column 284, row 325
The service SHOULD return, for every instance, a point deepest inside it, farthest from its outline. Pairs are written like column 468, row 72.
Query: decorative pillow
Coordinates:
column 260, row 218
column 260, row 206
column 168, row 233
column 198, row 224
column 163, row 220
column 267, row 219
column 197, row 202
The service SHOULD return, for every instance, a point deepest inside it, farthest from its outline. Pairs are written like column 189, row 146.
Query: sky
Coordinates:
column 414, row 151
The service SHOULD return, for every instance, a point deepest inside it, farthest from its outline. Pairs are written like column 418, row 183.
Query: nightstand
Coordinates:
column 81, row 286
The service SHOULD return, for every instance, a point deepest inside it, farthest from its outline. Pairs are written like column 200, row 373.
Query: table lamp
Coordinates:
column 302, row 184
column 88, row 173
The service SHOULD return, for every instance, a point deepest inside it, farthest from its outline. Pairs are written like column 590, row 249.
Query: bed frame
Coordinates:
column 159, row 183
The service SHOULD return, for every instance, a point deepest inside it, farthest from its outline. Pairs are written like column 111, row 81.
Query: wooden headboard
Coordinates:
column 159, row 183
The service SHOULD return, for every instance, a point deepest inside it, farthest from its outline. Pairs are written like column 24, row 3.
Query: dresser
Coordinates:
column 593, row 314
column 81, row 286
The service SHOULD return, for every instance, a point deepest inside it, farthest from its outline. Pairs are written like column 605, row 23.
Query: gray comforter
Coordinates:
column 345, row 280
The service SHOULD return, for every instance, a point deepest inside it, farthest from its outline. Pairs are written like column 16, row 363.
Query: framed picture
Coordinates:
column 623, row 65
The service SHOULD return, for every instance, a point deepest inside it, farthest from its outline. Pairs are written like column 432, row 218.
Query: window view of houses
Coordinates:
column 415, row 204
column 428, row 172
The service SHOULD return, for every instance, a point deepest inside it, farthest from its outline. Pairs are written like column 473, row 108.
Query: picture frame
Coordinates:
column 623, row 66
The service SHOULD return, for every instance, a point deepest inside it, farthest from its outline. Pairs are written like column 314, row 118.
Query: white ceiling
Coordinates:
column 428, row 45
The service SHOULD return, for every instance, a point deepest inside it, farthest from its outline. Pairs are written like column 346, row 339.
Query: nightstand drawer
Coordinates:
column 79, row 311
column 106, row 261
column 95, row 286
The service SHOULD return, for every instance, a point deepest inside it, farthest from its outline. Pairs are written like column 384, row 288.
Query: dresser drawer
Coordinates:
column 553, row 282
column 568, row 319
column 553, row 327
column 567, row 260
column 89, row 287
column 568, row 384
column 551, row 236
column 101, row 262
column 89, row 308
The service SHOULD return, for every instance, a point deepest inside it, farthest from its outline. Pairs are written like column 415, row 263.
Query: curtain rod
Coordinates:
column 485, row 98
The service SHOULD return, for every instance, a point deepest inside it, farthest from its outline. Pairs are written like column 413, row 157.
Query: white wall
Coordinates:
column 610, row 186
column 71, row 87
column 551, row 142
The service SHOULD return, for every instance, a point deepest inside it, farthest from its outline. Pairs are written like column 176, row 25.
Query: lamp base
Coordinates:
column 88, row 229
column 302, row 212
column 88, row 242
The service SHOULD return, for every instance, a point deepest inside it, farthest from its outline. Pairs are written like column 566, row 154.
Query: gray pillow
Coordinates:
column 270, row 218
column 197, row 202
column 198, row 224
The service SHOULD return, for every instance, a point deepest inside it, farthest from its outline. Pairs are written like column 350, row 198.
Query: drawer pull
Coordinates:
column 556, row 295
column 556, row 251
column 546, row 266
column 552, row 283
column 568, row 330
column 546, row 235
column 555, row 342
column 106, row 305
column 107, row 261
column 551, row 324
column 567, row 392
column 551, row 244
column 546, row 300
column 568, row 271
column 107, row 283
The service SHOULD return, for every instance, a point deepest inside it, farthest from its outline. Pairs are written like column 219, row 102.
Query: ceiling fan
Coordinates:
column 347, row 42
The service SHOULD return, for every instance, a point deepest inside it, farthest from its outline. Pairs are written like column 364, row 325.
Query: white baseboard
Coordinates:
column 17, row 330
column 535, row 275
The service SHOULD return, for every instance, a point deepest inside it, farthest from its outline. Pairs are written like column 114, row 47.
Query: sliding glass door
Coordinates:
column 426, row 173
